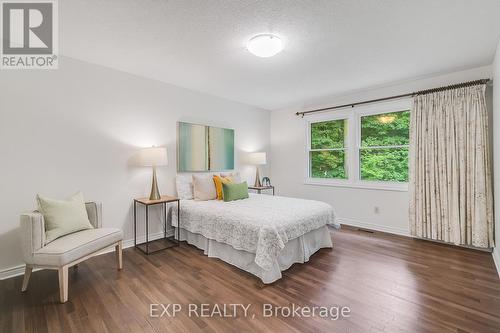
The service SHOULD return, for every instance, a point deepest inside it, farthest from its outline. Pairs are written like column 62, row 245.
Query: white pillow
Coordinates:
column 63, row 217
column 235, row 175
column 204, row 187
column 184, row 185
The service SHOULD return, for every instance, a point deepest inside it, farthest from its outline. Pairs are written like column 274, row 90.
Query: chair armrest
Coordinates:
column 32, row 234
column 94, row 211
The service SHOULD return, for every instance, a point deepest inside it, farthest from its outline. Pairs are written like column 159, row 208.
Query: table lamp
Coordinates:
column 153, row 157
column 257, row 159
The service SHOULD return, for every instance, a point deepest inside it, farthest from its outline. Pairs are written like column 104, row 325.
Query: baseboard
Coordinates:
column 19, row 270
column 375, row 227
column 14, row 271
column 406, row 233
column 496, row 259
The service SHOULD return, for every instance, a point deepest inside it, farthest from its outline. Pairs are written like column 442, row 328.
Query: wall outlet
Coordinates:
column 376, row 209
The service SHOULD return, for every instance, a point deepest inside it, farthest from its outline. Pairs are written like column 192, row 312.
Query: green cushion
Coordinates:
column 63, row 217
column 235, row 191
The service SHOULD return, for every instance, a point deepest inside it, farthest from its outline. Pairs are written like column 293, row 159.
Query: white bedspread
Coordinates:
column 261, row 224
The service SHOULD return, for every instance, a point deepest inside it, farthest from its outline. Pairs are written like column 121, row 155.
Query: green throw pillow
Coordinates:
column 235, row 191
column 63, row 217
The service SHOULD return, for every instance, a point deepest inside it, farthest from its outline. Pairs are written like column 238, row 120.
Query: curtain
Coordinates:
column 450, row 176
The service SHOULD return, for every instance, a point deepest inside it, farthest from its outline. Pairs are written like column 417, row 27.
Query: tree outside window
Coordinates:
column 328, row 151
column 382, row 149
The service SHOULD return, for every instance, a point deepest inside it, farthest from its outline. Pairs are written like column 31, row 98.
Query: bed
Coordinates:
column 263, row 235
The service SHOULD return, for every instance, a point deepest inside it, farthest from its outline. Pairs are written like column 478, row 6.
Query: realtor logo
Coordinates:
column 29, row 34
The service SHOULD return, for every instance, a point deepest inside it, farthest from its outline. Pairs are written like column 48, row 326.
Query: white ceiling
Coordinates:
column 331, row 47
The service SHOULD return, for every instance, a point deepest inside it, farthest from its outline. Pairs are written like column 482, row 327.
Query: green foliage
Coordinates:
column 328, row 164
column 328, row 134
column 393, row 132
column 379, row 164
column 384, row 164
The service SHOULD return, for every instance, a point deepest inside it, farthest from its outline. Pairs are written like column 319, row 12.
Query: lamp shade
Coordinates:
column 257, row 158
column 154, row 156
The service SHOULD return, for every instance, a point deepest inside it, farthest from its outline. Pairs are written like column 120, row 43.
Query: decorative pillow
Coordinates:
column 234, row 175
column 204, row 187
column 235, row 191
column 184, row 185
column 219, row 180
column 63, row 217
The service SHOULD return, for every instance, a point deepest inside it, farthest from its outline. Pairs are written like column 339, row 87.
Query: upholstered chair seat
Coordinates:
column 68, row 250
column 71, row 247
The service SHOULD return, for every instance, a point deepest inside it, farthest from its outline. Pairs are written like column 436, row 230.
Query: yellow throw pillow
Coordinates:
column 218, row 180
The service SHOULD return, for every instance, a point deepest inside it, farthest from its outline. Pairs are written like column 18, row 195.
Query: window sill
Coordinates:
column 383, row 186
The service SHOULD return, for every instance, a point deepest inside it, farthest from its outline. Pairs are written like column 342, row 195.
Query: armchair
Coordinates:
column 68, row 250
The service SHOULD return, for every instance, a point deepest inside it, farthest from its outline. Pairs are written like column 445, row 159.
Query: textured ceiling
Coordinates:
column 331, row 46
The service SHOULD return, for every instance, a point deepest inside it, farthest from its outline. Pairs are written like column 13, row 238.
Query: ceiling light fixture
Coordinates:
column 265, row 45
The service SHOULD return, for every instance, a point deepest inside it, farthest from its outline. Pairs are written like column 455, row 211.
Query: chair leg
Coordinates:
column 63, row 284
column 118, row 250
column 27, row 274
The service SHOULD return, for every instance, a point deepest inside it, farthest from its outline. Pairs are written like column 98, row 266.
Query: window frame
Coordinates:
column 345, row 148
column 353, row 145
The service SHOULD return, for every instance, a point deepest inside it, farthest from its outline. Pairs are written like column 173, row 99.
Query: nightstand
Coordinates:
column 259, row 189
column 157, row 243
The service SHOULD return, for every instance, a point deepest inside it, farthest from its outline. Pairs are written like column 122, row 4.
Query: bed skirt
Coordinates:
column 297, row 250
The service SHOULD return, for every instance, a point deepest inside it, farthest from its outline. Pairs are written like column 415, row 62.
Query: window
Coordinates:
column 383, row 153
column 361, row 147
column 328, row 151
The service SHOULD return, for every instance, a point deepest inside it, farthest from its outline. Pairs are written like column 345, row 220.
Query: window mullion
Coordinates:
column 353, row 151
column 308, row 151
column 328, row 149
column 385, row 147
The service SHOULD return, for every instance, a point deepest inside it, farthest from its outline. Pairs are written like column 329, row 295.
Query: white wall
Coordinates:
column 496, row 153
column 353, row 206
column 78, row 127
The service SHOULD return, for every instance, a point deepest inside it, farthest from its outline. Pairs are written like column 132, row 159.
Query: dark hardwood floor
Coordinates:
column 390, row 283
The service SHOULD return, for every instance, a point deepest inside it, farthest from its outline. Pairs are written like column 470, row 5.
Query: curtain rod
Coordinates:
column 417, row 93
